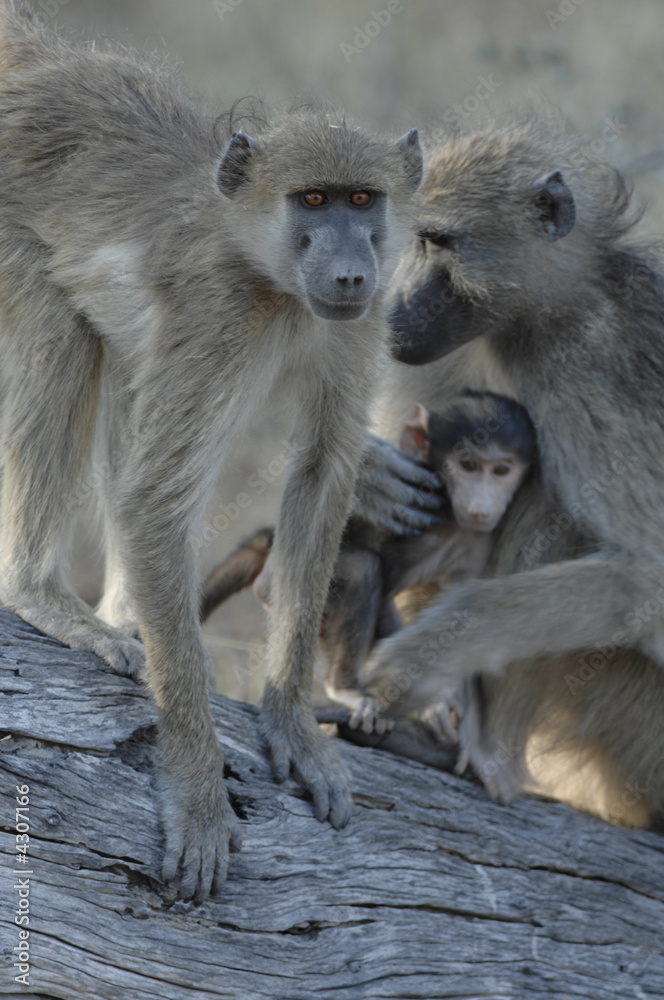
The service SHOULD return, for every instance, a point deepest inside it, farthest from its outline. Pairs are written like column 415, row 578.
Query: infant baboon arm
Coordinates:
column 462, row 721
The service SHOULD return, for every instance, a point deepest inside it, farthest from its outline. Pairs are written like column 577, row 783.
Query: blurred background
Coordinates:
column 392, row 65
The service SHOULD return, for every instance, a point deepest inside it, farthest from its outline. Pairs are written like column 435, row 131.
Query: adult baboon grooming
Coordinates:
column 524, row 282
column 146, row 268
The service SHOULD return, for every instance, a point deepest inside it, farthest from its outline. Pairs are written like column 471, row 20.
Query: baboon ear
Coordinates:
column 555, row 204
column 410, row 149
column 233, row 167
column 414, row 436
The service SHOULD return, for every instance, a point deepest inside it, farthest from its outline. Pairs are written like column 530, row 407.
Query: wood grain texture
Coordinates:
column 431, row 891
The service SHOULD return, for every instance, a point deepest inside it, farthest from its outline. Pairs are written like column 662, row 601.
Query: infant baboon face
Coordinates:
column 482, row 445
column 481, row 484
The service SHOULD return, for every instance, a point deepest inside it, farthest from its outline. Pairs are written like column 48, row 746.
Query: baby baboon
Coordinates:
column 170, row 282
column 523, row 272
column 481, row 445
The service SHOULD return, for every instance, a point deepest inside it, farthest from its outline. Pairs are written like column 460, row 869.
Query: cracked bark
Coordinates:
column 431, row 891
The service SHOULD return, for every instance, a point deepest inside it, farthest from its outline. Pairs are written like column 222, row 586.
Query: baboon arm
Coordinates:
column 486, row 625
column 394, row 491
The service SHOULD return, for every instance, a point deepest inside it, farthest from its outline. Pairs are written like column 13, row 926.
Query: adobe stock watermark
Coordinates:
column 430, row 653
column 460, row 111
column 258, row 482
column 364, row 36
column 46, row 10
column 590, row 493
column 224, row 7
column 634, row 621
column 588, row 155
column 565, row 10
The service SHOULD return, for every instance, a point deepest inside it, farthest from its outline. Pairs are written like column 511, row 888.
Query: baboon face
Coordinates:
column 334, row 232
column 493, row 206
column 483, row 445
column 323, row 208
column 481, row 484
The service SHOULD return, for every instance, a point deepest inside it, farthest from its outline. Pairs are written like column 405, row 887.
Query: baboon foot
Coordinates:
column 495, row 763
column 458, row 721
column 201, row 830
column 65, row 617
column 298, row 747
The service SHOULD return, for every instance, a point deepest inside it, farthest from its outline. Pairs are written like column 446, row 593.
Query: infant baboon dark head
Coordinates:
column 483, row 445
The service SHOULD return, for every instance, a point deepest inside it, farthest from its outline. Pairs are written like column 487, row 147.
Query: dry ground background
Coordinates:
column 594, row 60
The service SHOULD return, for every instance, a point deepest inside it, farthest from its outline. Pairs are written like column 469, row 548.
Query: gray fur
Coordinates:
column 132, row 286
column 571, row 328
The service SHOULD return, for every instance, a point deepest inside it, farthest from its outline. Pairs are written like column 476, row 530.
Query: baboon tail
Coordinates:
column 237, row 571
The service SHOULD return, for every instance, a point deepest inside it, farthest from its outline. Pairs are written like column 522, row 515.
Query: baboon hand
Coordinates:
column 442, row 719
column 394, row 491
column 297, row 746
column 366, row 715
column 200, row 828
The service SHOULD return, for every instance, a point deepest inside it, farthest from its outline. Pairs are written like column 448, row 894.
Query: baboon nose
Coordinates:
column 350, row 280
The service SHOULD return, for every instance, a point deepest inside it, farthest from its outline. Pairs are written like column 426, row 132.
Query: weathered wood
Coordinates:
column 431, row 891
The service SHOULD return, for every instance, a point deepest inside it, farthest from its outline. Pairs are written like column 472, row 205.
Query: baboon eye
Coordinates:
column 468, row 465
column 360, row 199
column 444, row 240
column 501, row 470
column 315, row 199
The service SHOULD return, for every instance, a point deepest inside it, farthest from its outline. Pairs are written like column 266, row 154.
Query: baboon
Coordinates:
column 157, row 283
column 524, row 281
column 481, row 445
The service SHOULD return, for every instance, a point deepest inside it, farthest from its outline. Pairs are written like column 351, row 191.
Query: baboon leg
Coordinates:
column 158, row 502
column 587, row 735
column 239, row 569
column 49, row 414
column 351, row 616
column 351, row 612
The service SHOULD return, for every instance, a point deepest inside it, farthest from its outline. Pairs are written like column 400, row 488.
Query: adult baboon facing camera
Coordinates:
column 523, row 282
column 149, row 272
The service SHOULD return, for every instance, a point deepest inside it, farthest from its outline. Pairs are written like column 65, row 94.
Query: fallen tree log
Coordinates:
column 431, row 891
